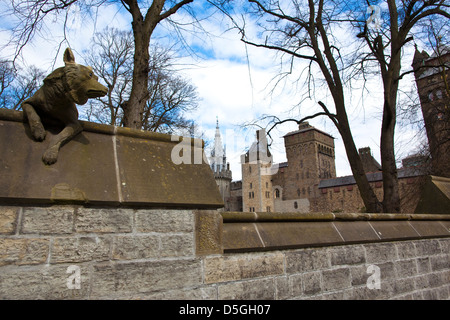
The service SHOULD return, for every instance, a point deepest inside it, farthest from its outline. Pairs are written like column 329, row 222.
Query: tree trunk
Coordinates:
column 139, row 90
column 368, row 196
column 391, row 197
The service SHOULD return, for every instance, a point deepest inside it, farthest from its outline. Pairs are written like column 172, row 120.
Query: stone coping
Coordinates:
column 248, row 232
column 229, row 217
column 18, row 116
column 104, row 166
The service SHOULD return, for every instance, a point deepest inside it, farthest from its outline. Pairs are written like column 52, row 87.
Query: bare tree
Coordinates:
column 170, row 95
column 308, row 30
column 146, row 15
column 17, row 85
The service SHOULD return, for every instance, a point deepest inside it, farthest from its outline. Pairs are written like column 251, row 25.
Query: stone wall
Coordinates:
column 135, row 253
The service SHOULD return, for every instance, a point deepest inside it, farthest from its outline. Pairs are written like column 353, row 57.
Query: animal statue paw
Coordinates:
column 50, row 155
column 38, row 132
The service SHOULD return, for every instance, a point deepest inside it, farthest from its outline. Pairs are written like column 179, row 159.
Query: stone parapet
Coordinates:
column 104, row 165
column 257, row 231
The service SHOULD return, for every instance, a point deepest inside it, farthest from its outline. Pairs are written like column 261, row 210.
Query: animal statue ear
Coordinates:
column 69, row 57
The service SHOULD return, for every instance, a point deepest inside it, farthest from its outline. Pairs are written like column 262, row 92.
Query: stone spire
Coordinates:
column 218, row 157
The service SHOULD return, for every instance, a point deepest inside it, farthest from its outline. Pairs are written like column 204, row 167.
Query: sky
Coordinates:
column 234, row 82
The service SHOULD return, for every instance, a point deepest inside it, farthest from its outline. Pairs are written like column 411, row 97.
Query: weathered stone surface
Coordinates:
column 380, row 252
column 72, row 250
column 262, row 289
column 41, row 282
column 289, row 234
column 47, row 220
column 177, row 245
column 347, row 255
column 223, row 268
column 241, row 237
column 356, row 231
column 336, row 279
column 103, row 220
column 79, row 169
column 208, row 232
column 149, row 175
column 430, row 228
column 394, row 230
column 136, row 247
column 103, row 165
column 8, row 220
column 306, row 260
column 165, row 221
column 23, row 251
column 110, row 279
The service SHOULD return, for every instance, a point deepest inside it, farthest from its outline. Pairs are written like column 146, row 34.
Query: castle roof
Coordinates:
column 304, row 127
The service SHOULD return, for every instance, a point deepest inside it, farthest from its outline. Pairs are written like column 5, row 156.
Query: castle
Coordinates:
column 307, row 182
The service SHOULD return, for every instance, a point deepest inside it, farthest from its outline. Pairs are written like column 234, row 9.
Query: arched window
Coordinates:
column 277, row 193
column 295, row 205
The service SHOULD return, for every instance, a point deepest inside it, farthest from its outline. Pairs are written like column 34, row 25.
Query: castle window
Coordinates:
column 268, row 209
column 295, row 205
column 251, row 185
column 277, row 193
column 298, row 192
column 267, row 185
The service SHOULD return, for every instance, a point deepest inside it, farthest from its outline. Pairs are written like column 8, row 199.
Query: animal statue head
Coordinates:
column 56, row 99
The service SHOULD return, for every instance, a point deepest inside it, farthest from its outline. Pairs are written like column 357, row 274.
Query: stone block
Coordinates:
column 165, row 221
column 406, row 268
column 46, row 282
column 115, row 220
column 380, row 252
column 303, row 260
column 440, row 262
column 405, row 249
column 132, row 278
column 347, row 255
column 356, row 231
column 241, row 237
column 430, row 228
column 427, row 247
column 423, row 265
column 311, row 283
column 392, row 230
column 292, row 235
column 79, row 249
column 104, row 165
column 8, row 219
column 261, row 289
column 336, row 279
column 208, row 232
column 47, row 220
column 76, row 176
column 282, row 288
column 242, row 266
column 21, row 251
column 177, row 245
column 190, row 183
column 129, row 247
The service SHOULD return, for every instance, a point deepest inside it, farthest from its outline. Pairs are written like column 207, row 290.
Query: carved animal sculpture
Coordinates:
column 56, row 99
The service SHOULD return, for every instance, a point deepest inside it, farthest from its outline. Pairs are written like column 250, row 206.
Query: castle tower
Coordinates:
column 311, row 158
column 220, row 167
column 432, row 75
column 256, row 165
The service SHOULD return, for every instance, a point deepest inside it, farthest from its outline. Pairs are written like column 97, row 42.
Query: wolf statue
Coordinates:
column 56, row 99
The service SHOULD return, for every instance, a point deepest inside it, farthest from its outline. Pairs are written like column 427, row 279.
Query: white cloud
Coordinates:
column 234, row 83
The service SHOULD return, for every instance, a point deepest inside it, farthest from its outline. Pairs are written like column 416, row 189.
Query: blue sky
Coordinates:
column 234, row 82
